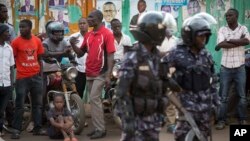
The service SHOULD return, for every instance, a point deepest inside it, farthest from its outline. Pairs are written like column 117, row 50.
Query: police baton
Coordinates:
column 187, row 115
column 194, row 126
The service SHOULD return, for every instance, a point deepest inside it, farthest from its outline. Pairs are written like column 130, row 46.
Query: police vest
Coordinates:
column 193, row 76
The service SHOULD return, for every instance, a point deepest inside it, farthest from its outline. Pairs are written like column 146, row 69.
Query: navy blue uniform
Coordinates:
column 196, row 76
column 140, row 94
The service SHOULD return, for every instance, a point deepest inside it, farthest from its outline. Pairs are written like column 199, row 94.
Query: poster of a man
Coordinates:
column 27, row 8
column 109, row 12
column 193, row 7
column 150, row 5
column 166, row 8
column 60, row 16
column 56, row 4
column 171, row 7
column 61, row 19
column 111, row 9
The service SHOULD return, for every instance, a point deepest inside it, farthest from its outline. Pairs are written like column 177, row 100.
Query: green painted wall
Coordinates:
column 211, row 7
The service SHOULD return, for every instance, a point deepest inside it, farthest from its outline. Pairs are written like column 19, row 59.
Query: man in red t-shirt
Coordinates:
column 27, row 50
column 99, row 43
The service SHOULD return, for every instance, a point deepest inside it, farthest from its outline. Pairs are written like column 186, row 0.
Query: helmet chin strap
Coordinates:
column 195, row 49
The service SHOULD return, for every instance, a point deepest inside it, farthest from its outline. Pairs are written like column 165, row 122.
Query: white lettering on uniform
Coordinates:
column 30, row 58
column 29, row 64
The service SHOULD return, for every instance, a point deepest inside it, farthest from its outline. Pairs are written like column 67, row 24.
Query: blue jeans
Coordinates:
column 238, row 76
column 34, row 86
column 5, row 94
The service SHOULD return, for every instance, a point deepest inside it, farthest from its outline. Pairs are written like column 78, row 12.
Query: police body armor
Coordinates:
column 146, row 91
column 193, row 76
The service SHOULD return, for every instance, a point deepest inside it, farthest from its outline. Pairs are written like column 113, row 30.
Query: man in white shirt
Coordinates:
column 169, row 43
column 232, row 38
column 121, row 40
column 6, row 72
column 3, row 19
column 81, row 77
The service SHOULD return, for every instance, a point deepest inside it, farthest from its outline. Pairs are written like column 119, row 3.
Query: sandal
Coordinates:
column 74, row 139
column 67, row 139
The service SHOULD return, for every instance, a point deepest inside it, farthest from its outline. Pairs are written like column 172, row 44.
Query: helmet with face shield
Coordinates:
column 55, row 31
column 149, row 28
column 197, row 25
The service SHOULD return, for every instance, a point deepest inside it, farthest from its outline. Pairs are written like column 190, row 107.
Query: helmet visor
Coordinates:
column 204, row 32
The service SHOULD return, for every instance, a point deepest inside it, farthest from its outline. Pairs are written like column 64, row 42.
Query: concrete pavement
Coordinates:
column 113, row 134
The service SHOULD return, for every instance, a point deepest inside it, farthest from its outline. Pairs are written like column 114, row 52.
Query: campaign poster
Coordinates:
column 27, row 7
column 57, row 4
column 111, row 9
column 9, row 7
column 60, row 16
column 134, row 10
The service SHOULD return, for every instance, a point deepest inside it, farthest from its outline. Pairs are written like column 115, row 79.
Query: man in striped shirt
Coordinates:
column 232, row 38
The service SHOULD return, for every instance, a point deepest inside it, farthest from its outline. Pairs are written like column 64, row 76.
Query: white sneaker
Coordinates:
column 1, row 139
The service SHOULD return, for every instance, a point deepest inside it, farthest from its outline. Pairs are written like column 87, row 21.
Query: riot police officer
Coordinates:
column 194, row 72
column 141, row 101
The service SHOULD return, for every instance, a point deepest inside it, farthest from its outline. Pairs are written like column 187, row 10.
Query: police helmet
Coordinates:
column 54, row 27
column 197, row 25
column 149, row 28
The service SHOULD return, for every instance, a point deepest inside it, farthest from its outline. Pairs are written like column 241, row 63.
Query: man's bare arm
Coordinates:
column 226, row 44
column 239, row 42
column 232, row 43
column 110, row 63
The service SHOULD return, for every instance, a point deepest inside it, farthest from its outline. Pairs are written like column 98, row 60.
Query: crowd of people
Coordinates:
column 162, row 79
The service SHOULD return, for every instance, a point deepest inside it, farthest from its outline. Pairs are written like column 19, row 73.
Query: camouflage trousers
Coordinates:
column 149, row 135
column 147, row 128
column 202, row 120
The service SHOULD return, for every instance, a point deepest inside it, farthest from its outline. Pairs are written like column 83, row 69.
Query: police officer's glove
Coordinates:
column 173, row 85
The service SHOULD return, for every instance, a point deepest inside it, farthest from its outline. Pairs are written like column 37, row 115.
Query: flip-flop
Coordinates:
column 74, row 139
column 67, row 139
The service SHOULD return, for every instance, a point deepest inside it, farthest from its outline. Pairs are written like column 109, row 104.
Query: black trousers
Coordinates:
column 5, row 95
column 80, row 83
